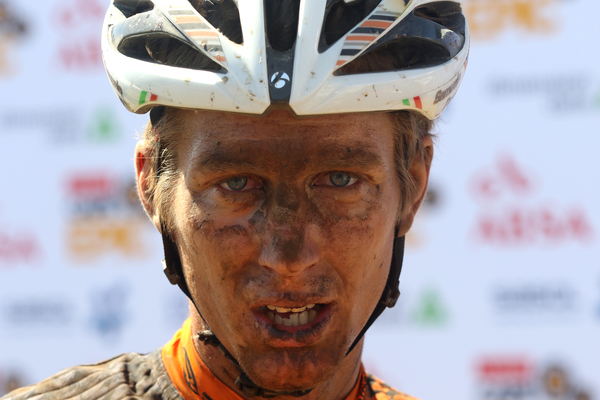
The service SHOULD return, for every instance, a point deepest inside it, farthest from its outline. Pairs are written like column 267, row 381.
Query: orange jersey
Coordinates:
column 194, row 380
column 170, row 373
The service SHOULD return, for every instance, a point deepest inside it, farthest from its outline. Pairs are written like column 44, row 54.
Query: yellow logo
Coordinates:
column 91, row 237
column 489, row 18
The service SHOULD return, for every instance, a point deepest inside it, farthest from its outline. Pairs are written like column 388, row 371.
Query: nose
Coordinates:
column 288, row 253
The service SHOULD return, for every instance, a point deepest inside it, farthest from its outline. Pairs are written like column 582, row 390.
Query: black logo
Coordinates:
column 189, row 376
column 442, row 94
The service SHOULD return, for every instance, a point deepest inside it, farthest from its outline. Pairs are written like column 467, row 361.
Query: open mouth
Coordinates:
column 292, row 317
column 305, row 320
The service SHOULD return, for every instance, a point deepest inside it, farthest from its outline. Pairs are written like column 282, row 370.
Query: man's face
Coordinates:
column 290, row 213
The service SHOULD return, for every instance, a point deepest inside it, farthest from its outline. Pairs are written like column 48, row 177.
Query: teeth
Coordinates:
column 303, row 318
column 295, row 319
column 284, row 310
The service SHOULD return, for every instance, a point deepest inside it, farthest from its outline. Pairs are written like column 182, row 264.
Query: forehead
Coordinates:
column 205, row 129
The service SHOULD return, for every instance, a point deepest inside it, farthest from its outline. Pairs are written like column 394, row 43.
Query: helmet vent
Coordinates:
column 167, row 50
column 281, row 18
column 399, row 54
column 430, row 35
column 341, row 17
column 223, row 15
column 446, row 13
column 130, row 8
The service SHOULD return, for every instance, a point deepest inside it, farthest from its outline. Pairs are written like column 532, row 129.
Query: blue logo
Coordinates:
column 109, row 311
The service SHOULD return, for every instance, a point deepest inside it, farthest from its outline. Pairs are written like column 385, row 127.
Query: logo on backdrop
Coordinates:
column 18, row 246
column 64, row 126
column 530, row 302
column 426, row 308
column 488, row 19
column 103, row 126
column 37, row 313
column 105, row 217
column 561, row 93
column 509, row 216
column 12, row 28
column 78, row 23
column 109, row 314
column 519, row 377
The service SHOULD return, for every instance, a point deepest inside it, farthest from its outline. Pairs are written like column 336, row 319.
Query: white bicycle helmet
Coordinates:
column 249, row 74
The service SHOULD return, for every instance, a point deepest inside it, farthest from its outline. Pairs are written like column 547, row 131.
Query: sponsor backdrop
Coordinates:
column 501, row 282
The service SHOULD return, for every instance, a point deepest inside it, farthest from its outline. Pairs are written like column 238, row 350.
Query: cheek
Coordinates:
column 360, row 246
column 220, row 245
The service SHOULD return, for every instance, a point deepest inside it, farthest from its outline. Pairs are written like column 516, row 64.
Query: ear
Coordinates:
column 419, row 171
column 143, row 170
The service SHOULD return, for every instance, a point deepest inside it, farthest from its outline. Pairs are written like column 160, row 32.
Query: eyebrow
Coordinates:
column 329, row 158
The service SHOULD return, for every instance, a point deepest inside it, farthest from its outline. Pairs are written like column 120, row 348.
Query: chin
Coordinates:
column 291, row 369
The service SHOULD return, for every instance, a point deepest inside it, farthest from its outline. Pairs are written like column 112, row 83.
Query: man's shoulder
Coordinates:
column 379, row 390
column 129, row 375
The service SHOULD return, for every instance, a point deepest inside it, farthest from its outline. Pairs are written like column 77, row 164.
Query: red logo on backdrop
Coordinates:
column 106, row 217
column 78, row 23
column 18, row 246
column 91, row 187
column 518, row 377
column 515, row 370
column 511, row 215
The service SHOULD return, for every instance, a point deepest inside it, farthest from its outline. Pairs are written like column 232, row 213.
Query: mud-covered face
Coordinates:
column 285, row 229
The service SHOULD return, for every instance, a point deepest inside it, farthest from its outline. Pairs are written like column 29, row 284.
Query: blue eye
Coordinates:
column 340, row 178
column 237, row 183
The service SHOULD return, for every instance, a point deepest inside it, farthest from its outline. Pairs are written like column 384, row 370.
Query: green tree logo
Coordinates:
column 104, row 126
column 430, row 310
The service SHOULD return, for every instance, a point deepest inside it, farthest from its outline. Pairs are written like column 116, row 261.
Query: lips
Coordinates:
column 293, row 326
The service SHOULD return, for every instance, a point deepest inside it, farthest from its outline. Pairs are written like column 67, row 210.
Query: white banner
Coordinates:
column 501, row 281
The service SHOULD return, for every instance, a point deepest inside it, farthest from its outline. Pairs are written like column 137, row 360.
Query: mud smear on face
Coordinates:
column 265, row 284
column 307, row 364
column 258, row 222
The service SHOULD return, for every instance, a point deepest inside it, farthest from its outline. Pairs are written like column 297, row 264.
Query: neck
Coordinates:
column 337, row 387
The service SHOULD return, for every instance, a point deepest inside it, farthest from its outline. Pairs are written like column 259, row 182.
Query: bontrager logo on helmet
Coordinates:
column 279, row 79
